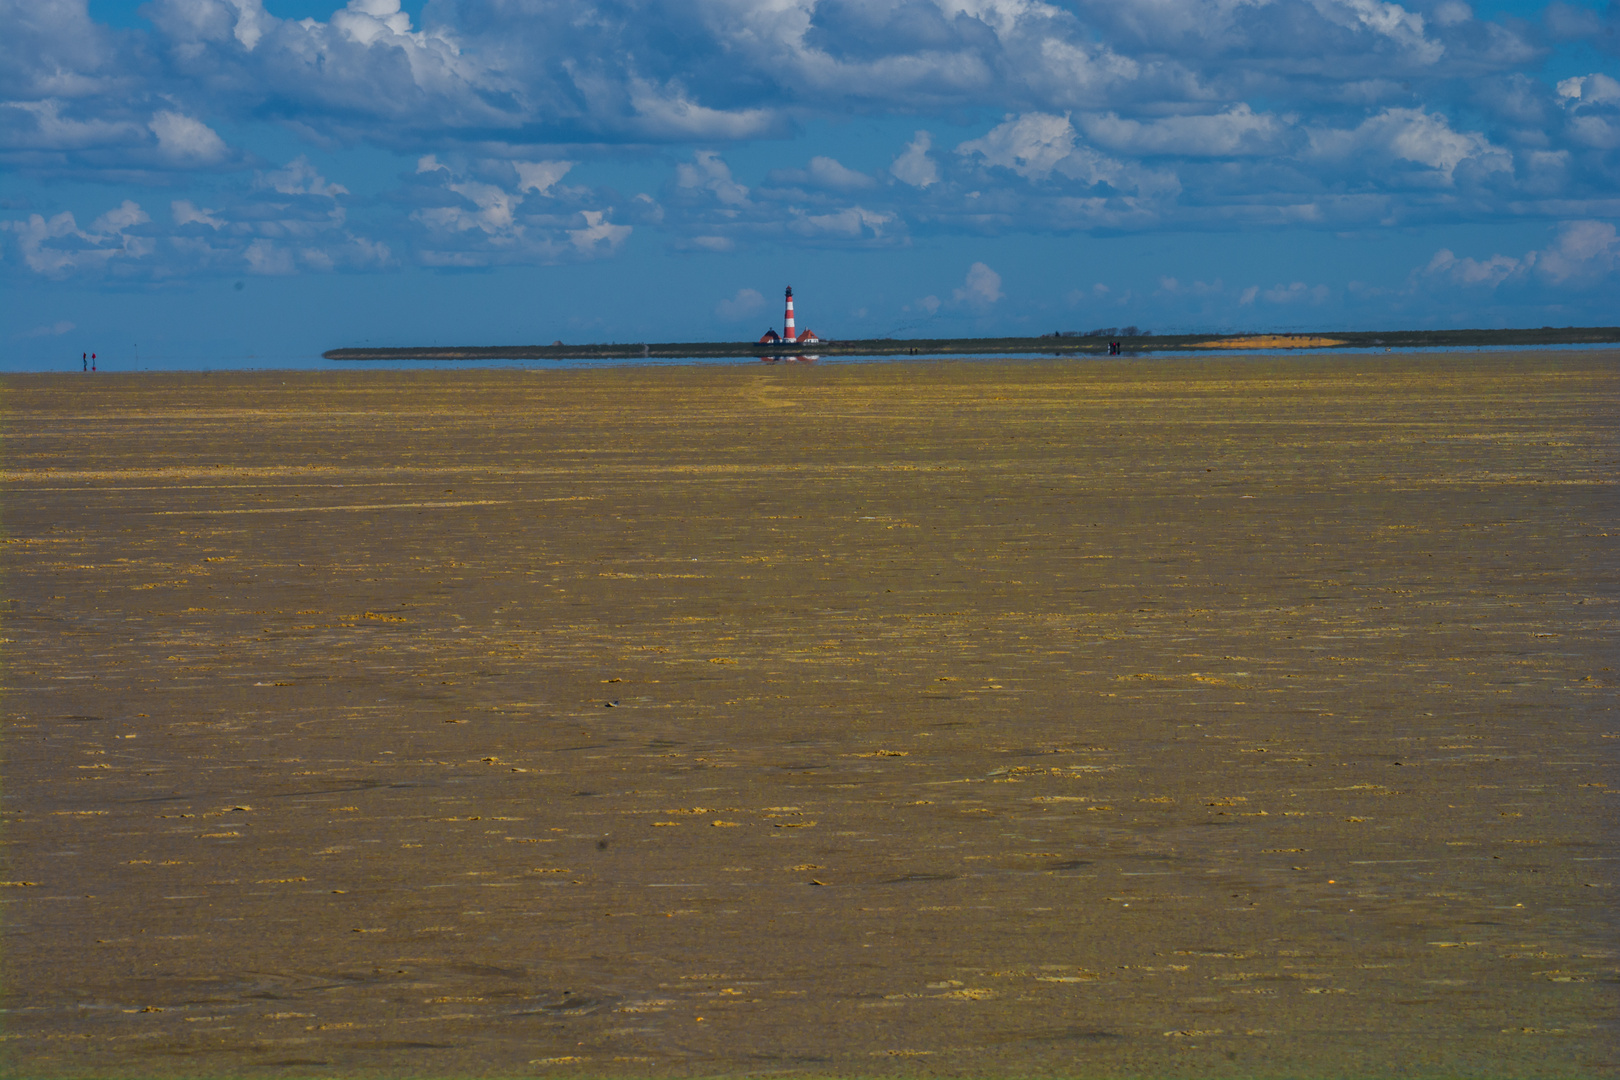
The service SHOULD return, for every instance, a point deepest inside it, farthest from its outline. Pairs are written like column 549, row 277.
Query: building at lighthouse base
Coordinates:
column 771, row 337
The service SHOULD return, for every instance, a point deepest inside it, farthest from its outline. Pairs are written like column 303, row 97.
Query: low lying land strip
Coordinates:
column 1055, row 344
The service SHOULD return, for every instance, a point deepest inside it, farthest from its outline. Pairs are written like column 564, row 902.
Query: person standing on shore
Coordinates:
column 84, row 361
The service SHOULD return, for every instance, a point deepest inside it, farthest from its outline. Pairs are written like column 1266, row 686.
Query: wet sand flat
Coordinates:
column 1241, row 718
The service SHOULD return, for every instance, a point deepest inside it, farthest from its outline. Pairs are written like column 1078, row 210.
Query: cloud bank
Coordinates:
column 1007, row 117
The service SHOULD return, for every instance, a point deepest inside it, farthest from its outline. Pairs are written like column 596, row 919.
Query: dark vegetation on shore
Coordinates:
column 1060, row 344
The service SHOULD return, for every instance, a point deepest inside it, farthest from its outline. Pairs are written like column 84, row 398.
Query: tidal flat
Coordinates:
column 1244, row 717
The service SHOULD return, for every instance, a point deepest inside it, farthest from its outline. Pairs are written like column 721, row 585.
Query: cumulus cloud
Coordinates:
column 1412, row 135
column 1595, row 89
column 1584, row 254
column 747, row 303
column 851, row 223
column 1036, row 146
column 1031, row 146
column 1296, row 293
column 286, row 221
column 981, row 288
column 568, row 71
column 915, row 167
column 710, row 209
column 539, row 176
column 1468, row 271
column 1169, row 286
column 1113, row 115
column 56, row 329
column 598, row 235
column 1236, row 131
column 186, row 140
column 1592, row 109
column 824, row 172
column 57, row 247
column 186, row 212
column 44, row 126
column 298, row 177
column 707, row 172
column 1585, row 251
column 489, row 212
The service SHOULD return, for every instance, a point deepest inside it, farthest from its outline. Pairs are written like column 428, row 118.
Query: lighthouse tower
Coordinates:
column 787, row 320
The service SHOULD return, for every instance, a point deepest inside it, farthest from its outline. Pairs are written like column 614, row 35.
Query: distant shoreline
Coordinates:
column 1059, row 345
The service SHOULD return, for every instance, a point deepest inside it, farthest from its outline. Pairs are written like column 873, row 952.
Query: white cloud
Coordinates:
column 57, row 247
column 1392, row 21
column 186, row 212
column 915, row 167
column 852, row 222
column 1596, row 89
column 981, row 288
column 538, row 176
column 298, row 177
column 747, row 303
column 1296, row 293
column 1598, row 132
column 255, row 229
column 826, row 173
column 1466, row 271
column 707, row 172
column 1238, row 130
column 185, row 140
column 1453, row 13
column 1117, row 115
column 1031, row 145
column 267, row 257
column 598, row 236
column 56, row 329
column 125, row 215
column 489, row 212
column 1584, row 254
column 1413, row 135
column 1170, row 286
column 1037, row 145
column 666, row 113
column 41, row 125
column 367, row 21
column 1585, row 250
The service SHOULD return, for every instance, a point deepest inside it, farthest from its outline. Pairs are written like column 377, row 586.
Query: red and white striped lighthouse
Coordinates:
column 787, row 320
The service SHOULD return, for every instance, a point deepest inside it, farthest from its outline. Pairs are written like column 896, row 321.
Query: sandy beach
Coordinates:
column 1240, row 717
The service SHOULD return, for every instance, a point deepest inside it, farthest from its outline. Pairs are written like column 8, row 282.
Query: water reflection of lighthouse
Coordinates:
column 788, row 334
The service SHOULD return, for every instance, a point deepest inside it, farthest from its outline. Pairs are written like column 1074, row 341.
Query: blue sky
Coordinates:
column 249, row 182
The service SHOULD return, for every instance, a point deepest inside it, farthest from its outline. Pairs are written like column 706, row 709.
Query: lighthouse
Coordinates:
column 790, row 334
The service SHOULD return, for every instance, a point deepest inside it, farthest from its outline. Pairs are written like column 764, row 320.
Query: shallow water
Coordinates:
column 300, row 362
